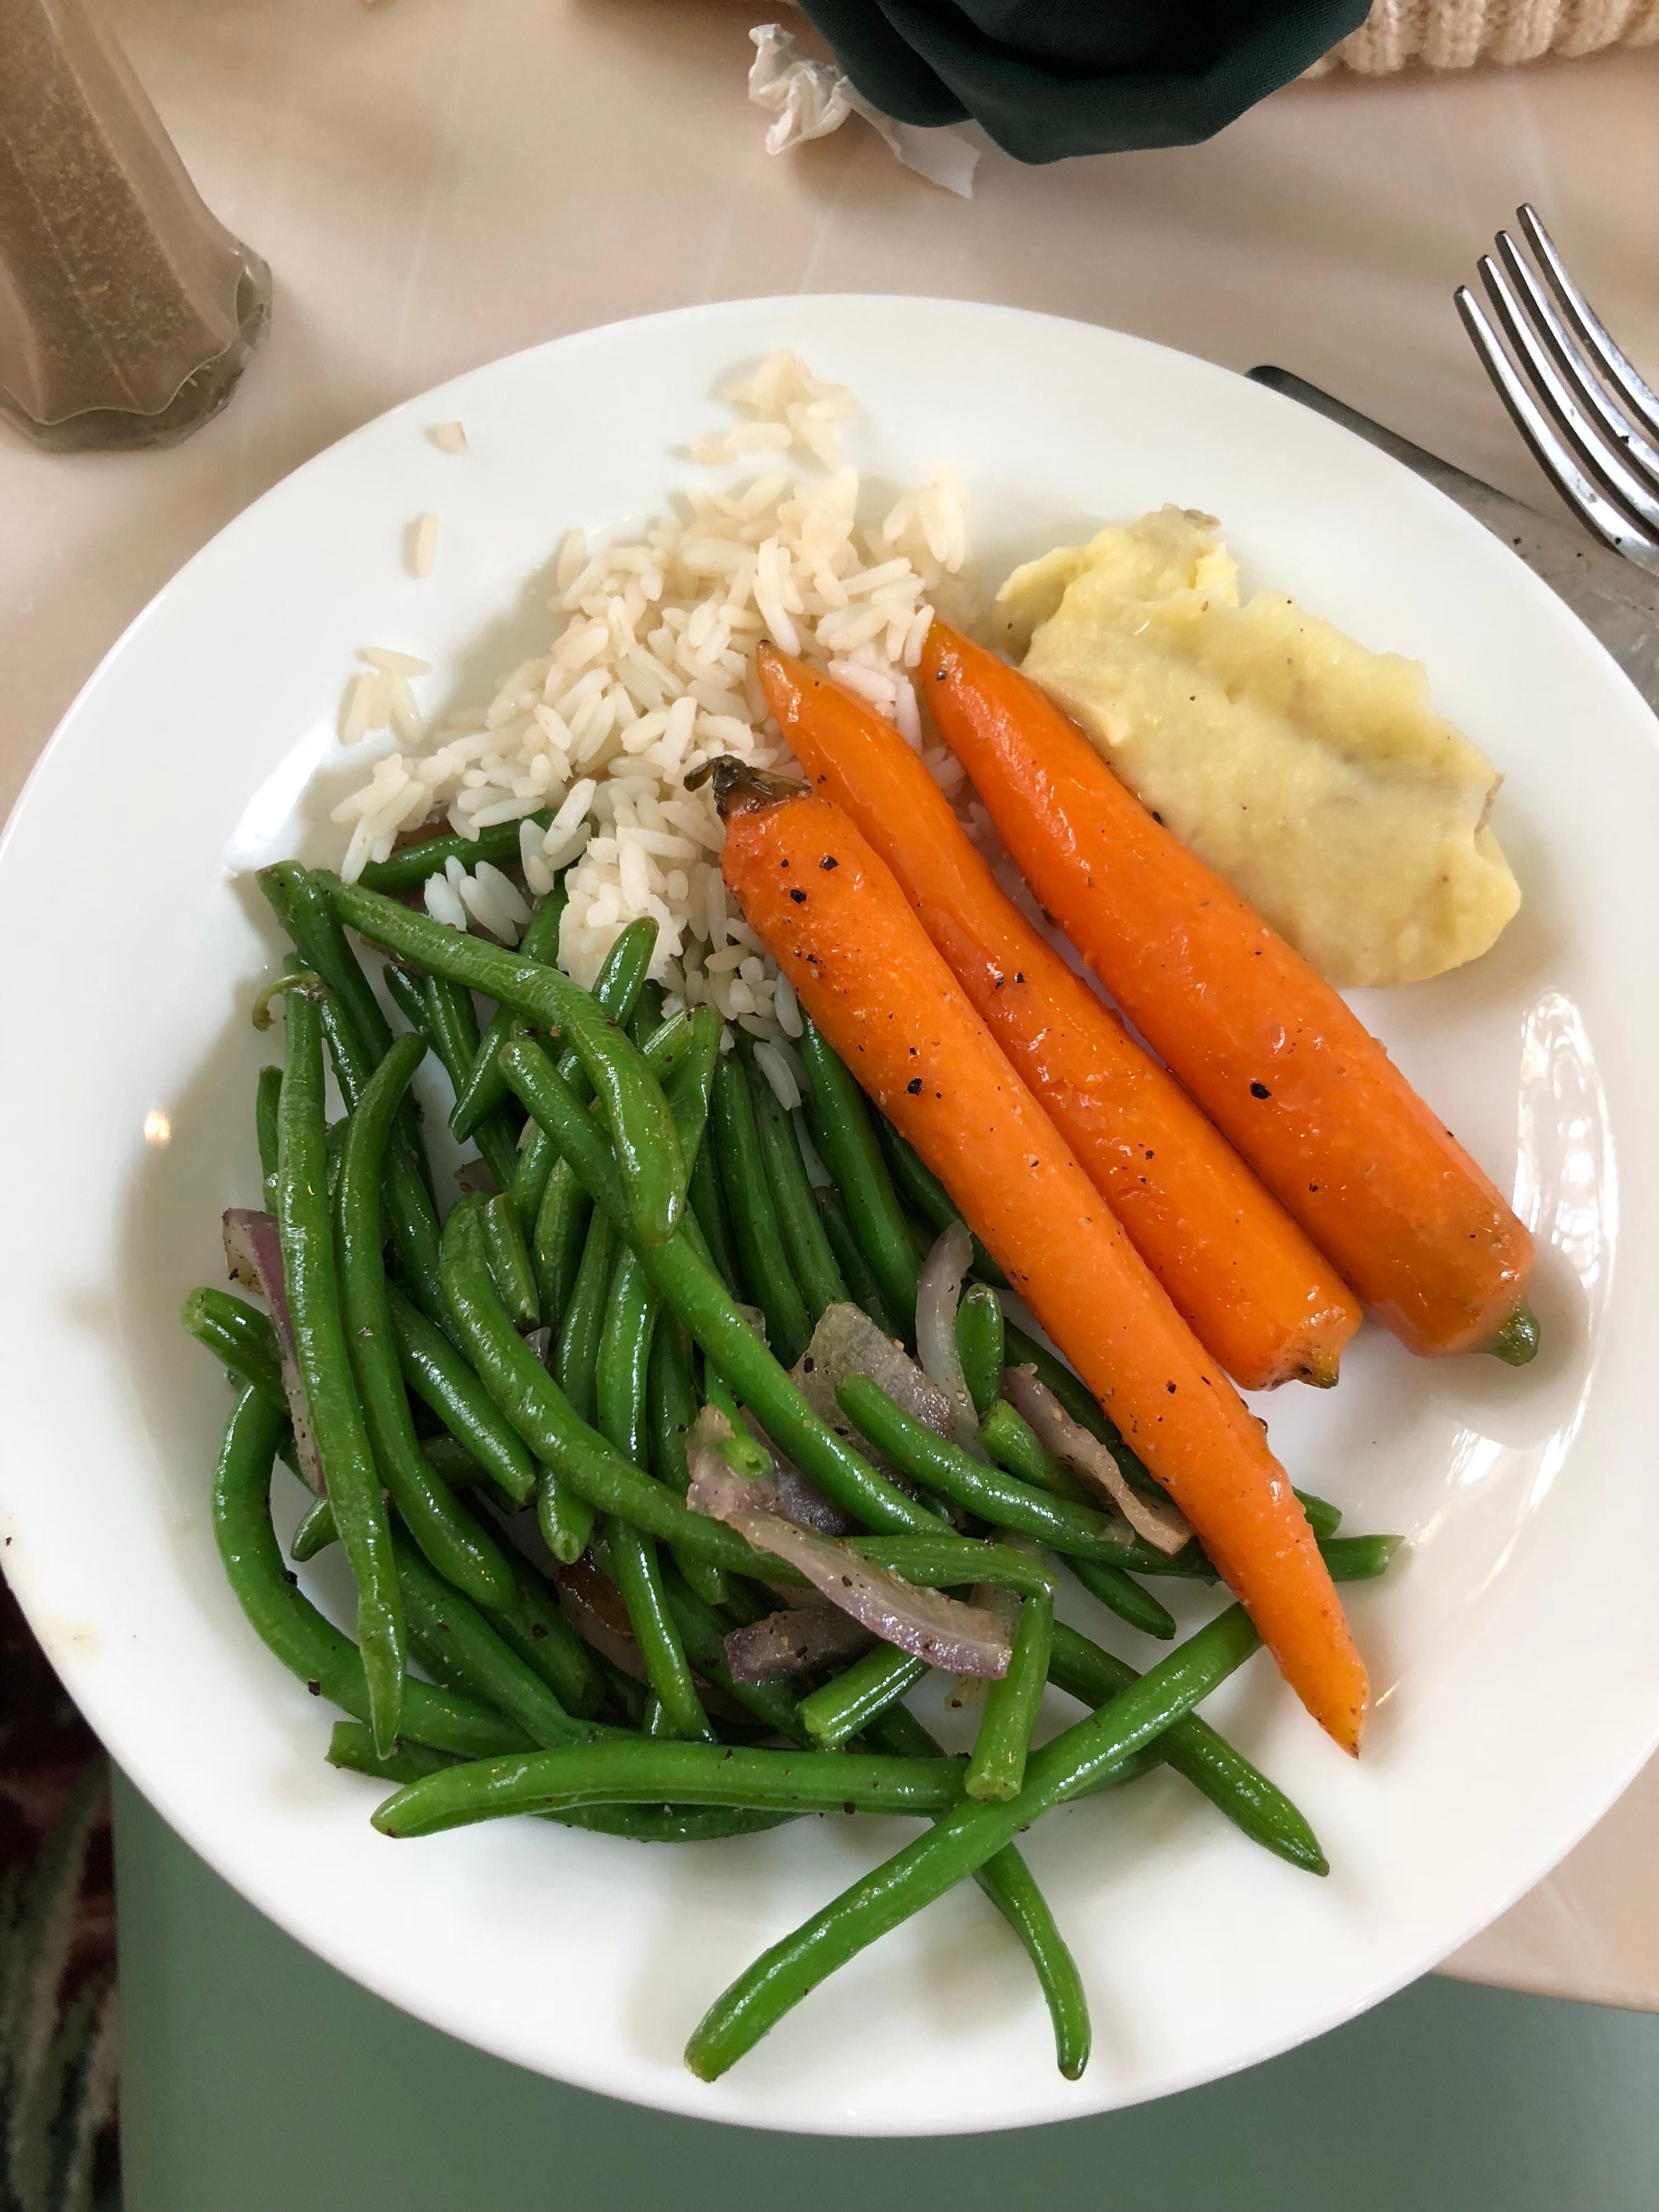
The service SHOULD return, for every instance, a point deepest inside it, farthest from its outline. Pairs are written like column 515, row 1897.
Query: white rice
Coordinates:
column 651, row 671
column 423, row 553
column 449, row 437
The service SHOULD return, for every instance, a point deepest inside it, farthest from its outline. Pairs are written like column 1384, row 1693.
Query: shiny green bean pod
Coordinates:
column 980, row 1345
column 753, row 1214
column 947, row 1561
column 996, row 1771
column 483, row 1662
column 266, row 1105
column 702, row 1632
column 448, row 1536
column 311, row 1278
column 540, row 1636
column 693, row 1291
column 240, row 1338
column 834, row 1713
column 665, row 1772
column 961, row 1843
column 544, row 1417
column 412, row 1217
column 627, row 1332
column 407, row 868
column 630, row 1558
column 1011, row 1887
column 1323, row 1518
column 407, row 991
column 648, row 1149
column 315, row 1531
column 688, row 1085
column 445, row 1382
column 671, row 1400
column 1255, row 1806
column 1347, row 1559
column 807, row 1248
column 509, row 1261
column 302, row 904
column 352, row 1749
column 481, row 1087
column 620, row 980
column 565, row 1519
column 328, row 1662
column 1123, row 1595
column 708, row 1208
column 451, row 1028
column 845, row 1138
column 861, row 1285
column 670, row 1409
column 557, row 1243
column 920, row 1188
column 582, row 1328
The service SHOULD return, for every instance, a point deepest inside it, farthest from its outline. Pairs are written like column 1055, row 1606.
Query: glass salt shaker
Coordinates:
column 127, row 311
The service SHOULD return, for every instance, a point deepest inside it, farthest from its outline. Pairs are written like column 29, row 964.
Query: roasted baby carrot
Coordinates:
column 1266, row 1046
column 1237, row 1269
column 839, row 927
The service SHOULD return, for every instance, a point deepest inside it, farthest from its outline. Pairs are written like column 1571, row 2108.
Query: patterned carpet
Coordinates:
column 57, row 2019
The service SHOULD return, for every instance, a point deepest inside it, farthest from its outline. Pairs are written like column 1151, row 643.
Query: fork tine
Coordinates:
column 1612, row 364
column 1586, row 499
column 1616, row 424
column 1627, row 488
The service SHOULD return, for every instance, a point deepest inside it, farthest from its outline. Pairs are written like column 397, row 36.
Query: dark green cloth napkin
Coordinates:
column 1052, row 77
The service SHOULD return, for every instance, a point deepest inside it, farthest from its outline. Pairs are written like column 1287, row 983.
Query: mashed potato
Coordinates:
column 1313, row 774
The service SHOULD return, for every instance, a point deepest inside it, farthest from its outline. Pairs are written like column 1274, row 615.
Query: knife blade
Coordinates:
column 1616, row 601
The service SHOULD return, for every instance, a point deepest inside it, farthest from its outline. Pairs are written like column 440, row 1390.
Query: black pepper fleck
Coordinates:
column 914, row 1086
column 829, row 861
column 1259, row 1090
column 797, row 895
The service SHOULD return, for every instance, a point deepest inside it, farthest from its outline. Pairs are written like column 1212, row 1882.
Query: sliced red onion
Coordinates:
column 939, row 1293
column 472, row 1178
column 800, row 1640
column 847, row 1342
column 593, row 1606
column 1156, row 1521
column 963, row 1639
column 996, row 1598
column 253, row 1253
column 540, row 1341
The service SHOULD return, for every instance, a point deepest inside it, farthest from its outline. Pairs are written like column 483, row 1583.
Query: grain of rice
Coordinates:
column 423, row 549
column 788, row 1008
column 393, row 663
column 442, row 903
column 366, row 707
column 449, row 437
column 776, row 1068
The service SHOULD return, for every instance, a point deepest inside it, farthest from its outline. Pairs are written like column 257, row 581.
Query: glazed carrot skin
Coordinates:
column 835, row 920
column 1266, row 1046
column 1238, row 1270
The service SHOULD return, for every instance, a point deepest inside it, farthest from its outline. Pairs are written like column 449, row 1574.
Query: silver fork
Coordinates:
column 1592, row 422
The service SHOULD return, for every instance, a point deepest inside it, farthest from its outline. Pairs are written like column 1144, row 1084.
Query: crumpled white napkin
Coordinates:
column 811, row 98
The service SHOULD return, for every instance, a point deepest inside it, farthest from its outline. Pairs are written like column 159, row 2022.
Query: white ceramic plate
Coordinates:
column 1516, row 1654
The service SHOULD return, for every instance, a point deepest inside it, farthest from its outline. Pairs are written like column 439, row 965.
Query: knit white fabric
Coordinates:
column 1455, row 34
